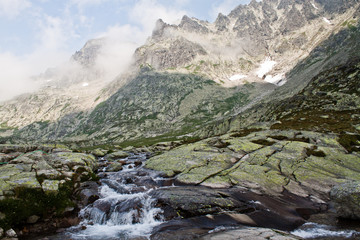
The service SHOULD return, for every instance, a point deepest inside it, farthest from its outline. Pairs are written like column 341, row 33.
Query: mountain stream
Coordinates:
column 126, row 211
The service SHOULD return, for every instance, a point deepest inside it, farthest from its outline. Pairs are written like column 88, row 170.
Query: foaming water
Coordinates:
column 319, row 231
column 124, row 210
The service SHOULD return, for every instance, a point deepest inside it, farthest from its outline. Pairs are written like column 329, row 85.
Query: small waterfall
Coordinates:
column 124, row 210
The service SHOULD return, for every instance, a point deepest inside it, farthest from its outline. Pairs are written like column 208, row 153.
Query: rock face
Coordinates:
column 36, row 186
column 271, row 161
column 88, row 54
column 282, row 30
column 346, row 197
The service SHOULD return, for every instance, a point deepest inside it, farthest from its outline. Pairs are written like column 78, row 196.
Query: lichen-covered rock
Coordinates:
column 98, row 152
column 117, row 155
column 304, row 163
column 346, row 198
column 114, row 167
column 38, row 183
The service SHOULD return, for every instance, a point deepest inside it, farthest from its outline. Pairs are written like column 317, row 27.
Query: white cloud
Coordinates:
column 82, row 3
column 119, row 46
column 122, row 40
column 226, row 6
column 50, row 51
column 146, row 12
column 12, row 8
column 14, row 76
column 56, row 33
column 182, row 2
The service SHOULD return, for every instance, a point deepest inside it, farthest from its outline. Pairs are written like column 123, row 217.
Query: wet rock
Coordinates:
column 114, row 167
column 193, row 201
column 117, row 155
column 88, row 193
column 250, row 233
column 346, row 198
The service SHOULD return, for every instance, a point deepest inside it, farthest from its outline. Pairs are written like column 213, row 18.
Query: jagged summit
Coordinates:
column 259, row 41
column 87, row 55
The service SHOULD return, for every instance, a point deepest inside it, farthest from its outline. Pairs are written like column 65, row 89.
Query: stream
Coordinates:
column 126, row 211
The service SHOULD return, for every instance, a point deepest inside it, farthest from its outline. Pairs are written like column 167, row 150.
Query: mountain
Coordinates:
column 192, row 79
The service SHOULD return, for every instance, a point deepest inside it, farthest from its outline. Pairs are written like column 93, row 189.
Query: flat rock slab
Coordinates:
column 198, row 209
column 250, row 233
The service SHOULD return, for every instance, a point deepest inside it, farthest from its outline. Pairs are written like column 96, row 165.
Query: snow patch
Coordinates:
column 314, row 6
column 237, row 77
column 49, row 80
column 265, row 67
column 327, row 20
column 278, row 79
column 85, row 84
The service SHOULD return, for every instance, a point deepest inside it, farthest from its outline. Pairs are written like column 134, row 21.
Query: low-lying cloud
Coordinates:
column 56, row 35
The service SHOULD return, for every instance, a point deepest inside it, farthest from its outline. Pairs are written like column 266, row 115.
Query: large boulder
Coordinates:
column 346, row 198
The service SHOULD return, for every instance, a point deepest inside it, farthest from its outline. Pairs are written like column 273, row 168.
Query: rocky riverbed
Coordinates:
column 257, row 182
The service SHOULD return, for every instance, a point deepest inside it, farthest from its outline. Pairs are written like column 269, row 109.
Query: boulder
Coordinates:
column 117, row 155
column 114, row 167
column 11, row 233
column 88, row 192
column 346, row 198
column 98, row 152
column 192, row 201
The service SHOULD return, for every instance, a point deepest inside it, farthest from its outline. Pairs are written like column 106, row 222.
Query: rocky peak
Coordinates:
column 159, row 29
column 222, row 22
column 336, row 6
column 87, row 55
column 193, row 25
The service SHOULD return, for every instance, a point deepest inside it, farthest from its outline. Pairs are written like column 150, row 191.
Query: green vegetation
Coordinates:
column 28, row 202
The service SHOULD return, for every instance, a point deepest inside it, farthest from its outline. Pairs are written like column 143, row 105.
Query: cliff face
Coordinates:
column 260, row 53
column 277, row 33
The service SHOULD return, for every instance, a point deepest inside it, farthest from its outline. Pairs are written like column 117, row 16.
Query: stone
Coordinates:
column 193, row 201
column 114, row 167
column 117, row 155
column 32, row 219
column 88, row 192
column 98, row 152
column 50, row 186
column 249, row 233
column 10, row 233
column 346, row 198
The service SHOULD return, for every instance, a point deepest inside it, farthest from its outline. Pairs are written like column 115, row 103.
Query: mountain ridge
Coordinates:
column 178, row 49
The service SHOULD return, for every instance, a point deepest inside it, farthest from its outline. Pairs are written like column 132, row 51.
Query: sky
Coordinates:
column 41, row 34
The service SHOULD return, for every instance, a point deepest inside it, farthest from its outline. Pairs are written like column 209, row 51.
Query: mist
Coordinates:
column 59, row 36
column 54, row 51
